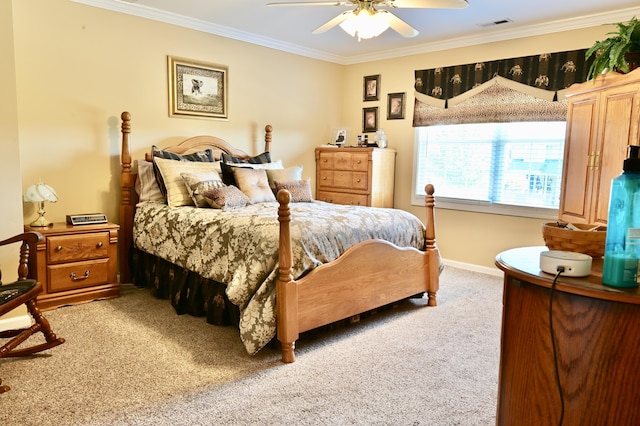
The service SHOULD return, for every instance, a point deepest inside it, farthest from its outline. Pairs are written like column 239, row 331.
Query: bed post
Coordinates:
column 127, row 182
column 267, row 137
column 286, row 289
column 433, row 257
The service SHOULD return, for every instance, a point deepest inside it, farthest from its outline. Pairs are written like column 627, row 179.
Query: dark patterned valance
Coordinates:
column 542, row 76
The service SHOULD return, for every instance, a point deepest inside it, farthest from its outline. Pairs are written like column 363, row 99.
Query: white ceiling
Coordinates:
column 289, row 28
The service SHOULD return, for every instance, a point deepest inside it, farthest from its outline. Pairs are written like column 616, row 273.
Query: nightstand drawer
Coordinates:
column 68, row 248
column 77, row 275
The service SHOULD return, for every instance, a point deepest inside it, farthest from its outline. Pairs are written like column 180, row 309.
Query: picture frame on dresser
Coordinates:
column 371, row 89
column 197, row 89
column 369, row 119
column 340, row 136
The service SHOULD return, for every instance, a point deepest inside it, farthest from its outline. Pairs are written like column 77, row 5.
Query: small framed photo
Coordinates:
column 395, row 106
column 371, row 88
column 340, row 136
column 369, row 119
column 197, row 89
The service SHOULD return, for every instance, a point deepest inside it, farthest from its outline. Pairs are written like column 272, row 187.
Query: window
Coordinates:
column 502, row 168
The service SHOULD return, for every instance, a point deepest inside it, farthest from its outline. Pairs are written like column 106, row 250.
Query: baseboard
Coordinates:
column 15, row 323
column 473, row 268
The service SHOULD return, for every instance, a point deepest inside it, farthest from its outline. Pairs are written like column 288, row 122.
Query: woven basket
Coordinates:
column 579, row 241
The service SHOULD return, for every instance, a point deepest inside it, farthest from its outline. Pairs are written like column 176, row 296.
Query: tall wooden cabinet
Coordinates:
column 358, row 176
column 603, row 118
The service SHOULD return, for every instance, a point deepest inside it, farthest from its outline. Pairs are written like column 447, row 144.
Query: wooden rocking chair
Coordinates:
column 24, row 291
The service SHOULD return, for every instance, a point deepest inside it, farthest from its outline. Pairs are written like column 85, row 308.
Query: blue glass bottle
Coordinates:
column 622, row 246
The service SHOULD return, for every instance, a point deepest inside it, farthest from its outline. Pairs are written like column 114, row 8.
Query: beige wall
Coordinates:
column 78, row 67
column 11, row 223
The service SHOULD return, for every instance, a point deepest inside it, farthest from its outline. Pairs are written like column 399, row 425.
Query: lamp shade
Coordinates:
column 40, row 192
column 365, row 23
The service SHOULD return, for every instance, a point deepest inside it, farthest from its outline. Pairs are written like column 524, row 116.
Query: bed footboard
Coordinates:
column 370, row 274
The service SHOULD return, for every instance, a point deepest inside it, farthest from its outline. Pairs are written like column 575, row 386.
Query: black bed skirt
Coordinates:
column 189, row 292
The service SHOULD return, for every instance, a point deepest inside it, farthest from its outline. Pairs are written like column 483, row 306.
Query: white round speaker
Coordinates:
column 574, row 264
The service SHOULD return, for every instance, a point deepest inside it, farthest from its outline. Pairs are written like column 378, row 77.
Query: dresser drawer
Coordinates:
column 343, row 198
column 77, row 275
column 325, row 161
column 69, row 248
column 351, row 161
column 343, row 179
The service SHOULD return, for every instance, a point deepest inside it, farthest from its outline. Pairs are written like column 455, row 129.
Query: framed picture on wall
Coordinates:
column 197, row 89
column 371, row 88
column 369, row 119
column 395, row 106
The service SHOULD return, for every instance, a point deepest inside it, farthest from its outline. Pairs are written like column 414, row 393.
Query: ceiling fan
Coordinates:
column 365, row 21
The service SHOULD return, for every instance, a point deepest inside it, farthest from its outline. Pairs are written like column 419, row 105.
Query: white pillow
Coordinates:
column 146, row 184
column 284, row 175
column 254, row 184
column 177, row 192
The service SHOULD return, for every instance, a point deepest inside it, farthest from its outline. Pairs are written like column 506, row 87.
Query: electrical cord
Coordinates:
column 560, row 270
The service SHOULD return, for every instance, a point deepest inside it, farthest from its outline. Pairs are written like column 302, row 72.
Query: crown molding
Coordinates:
column 507, row 33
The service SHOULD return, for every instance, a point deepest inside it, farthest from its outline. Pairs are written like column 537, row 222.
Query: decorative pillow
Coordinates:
column 170, row 170
column 227, row 169
column 146, row 184
column 201, row 156
column 284, row 175
column 254, row 183
column 300, row 190
column 226, row 197
column 199, row 182
column 263, row 158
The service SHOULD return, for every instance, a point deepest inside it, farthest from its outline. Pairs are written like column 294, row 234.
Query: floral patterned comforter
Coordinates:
column 240, row 247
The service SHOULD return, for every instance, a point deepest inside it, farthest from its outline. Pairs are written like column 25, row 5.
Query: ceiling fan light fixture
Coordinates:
column 365, row 24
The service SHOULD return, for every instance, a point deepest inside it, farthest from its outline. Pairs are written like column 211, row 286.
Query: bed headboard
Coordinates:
column 128, row 180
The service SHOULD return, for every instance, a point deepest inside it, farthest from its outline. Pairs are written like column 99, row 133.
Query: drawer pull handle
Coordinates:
column 84, row 277
column 358, row 180
column 99, row 245
column 359, row 161
column 324, row 178
column 58, row 248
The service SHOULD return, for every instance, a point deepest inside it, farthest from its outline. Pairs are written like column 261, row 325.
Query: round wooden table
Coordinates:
column 597, row 342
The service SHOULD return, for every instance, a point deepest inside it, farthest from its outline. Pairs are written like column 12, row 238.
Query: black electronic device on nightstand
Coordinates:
column 86, row 219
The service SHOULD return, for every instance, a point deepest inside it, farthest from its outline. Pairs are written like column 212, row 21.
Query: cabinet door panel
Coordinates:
column 578, row 156
column 617, row 110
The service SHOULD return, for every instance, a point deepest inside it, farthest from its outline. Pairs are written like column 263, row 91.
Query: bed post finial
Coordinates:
column 433, row 255
column 127, row 184
column 126, row 149
column 286, row 288
column 267, row 137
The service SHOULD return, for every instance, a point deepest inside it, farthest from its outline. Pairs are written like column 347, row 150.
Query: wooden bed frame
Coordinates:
column 369, row 275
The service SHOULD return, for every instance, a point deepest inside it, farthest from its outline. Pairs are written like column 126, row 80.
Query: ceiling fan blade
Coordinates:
column 398, row 25
column 332, row 23
column 427, row 4
column 312, row 3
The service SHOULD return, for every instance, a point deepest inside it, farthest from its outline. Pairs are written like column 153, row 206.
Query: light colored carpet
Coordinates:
column 133, row 361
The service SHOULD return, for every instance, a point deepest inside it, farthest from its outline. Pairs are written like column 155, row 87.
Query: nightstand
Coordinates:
column 75, row 264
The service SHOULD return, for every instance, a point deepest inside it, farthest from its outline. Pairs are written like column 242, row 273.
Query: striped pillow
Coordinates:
column 170, row 170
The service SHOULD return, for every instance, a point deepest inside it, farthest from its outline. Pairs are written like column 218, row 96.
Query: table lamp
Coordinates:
column 39, row 193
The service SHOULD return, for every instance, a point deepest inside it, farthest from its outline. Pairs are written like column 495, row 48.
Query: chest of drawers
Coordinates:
column 358, row 176
column 76, row 264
